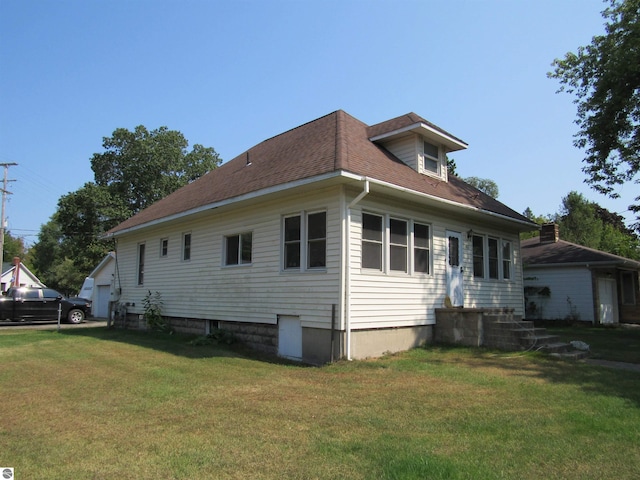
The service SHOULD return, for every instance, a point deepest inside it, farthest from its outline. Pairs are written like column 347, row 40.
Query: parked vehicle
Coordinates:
column 34, row 303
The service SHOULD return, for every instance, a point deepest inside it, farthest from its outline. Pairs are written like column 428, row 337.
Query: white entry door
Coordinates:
column 289, row 337
column 608, row 303
column 455, row 287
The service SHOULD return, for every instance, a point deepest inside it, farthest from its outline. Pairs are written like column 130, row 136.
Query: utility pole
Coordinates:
column 5, row 192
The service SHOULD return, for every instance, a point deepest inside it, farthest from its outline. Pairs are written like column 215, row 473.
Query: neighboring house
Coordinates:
column 98, row 286
column 566, row 281
column 333, row 239
column 25, row 277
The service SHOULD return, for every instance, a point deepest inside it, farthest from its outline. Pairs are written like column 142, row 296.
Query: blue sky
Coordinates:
column 230, row 74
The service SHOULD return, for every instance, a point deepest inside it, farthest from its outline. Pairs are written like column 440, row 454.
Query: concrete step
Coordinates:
column 571, row 355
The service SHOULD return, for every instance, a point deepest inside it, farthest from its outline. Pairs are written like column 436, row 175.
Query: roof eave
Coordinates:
column 450, row 142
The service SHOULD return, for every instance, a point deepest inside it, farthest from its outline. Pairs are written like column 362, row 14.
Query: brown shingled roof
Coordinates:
column 334, row 143
column 537, row 253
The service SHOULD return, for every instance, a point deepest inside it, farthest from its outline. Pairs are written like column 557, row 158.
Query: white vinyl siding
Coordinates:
column 570, row 292
column 382, row 300
column 205, row 288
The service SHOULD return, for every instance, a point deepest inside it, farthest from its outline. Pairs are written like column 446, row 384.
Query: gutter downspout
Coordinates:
column 347, row 265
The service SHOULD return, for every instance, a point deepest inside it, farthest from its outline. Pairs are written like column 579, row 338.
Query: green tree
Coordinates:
column 578, row 221
column 13, row 247
column 136, row 169
column 484, row 185
column 586, row 223
column 47, row 251
column 143, row 166
column 605, row 78
column 452, row 168
column 539, row 219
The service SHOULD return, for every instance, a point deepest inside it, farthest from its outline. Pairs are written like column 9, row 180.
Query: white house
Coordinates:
column 98, row 286
column 333, row 239
column 24, row 277
column 566, row 281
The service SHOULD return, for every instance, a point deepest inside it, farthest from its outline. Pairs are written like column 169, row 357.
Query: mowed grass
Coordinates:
column 103, row 404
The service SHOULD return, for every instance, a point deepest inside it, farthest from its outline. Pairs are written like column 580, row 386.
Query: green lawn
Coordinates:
column 621, row 344
column 102, row 404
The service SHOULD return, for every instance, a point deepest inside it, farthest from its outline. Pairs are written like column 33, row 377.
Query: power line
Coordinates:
column 5, row 192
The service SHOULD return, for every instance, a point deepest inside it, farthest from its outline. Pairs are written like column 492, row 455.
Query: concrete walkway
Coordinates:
column 633, row 367
column 88, row 323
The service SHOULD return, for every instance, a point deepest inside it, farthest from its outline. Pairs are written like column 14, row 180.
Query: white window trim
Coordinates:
column 386, row 246
column 225, row 239
column 304, row 243
column 183, row 249
column 412, row 248
column 425, row 156
column 162, row 240
column 140, row 265
column 485, row 258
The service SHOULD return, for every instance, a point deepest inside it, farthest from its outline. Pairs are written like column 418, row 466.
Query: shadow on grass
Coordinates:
column 589, row 378
column 183, row 345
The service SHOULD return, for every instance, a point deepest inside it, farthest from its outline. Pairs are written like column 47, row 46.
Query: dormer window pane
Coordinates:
column 430, row 150
column 430, row 157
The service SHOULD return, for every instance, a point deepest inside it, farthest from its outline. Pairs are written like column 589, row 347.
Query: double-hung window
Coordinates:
column 186, row 247
column 141, row 248
column 492, row 258
column 387, row 244
column 430, row 159
column 478, row 256
column 238, row 249
column 398, row 245
column 305, row 237
column 164, row 247
column 506, row 260
column 421, row 248
column 372, row 241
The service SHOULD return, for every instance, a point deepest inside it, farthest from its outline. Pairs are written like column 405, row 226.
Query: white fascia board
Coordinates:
column 450, row 203
column 306, row 181
column 452, row 143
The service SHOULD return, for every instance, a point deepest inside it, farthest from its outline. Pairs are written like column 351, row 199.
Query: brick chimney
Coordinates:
column 550, row 233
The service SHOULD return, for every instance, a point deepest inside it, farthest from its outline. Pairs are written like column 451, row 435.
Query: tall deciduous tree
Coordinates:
column 136, row 169
column 605, row 77
column 144, row 166
column 485, row 185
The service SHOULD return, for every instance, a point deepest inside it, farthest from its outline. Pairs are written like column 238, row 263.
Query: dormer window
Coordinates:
column 430, row 158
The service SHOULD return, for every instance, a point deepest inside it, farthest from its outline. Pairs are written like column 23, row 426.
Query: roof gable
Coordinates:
column 333, row 144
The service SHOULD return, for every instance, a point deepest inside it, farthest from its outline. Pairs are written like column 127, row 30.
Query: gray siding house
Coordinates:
column 335, row 239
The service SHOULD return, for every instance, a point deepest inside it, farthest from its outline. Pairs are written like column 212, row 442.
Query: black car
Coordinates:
column 34, row 303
